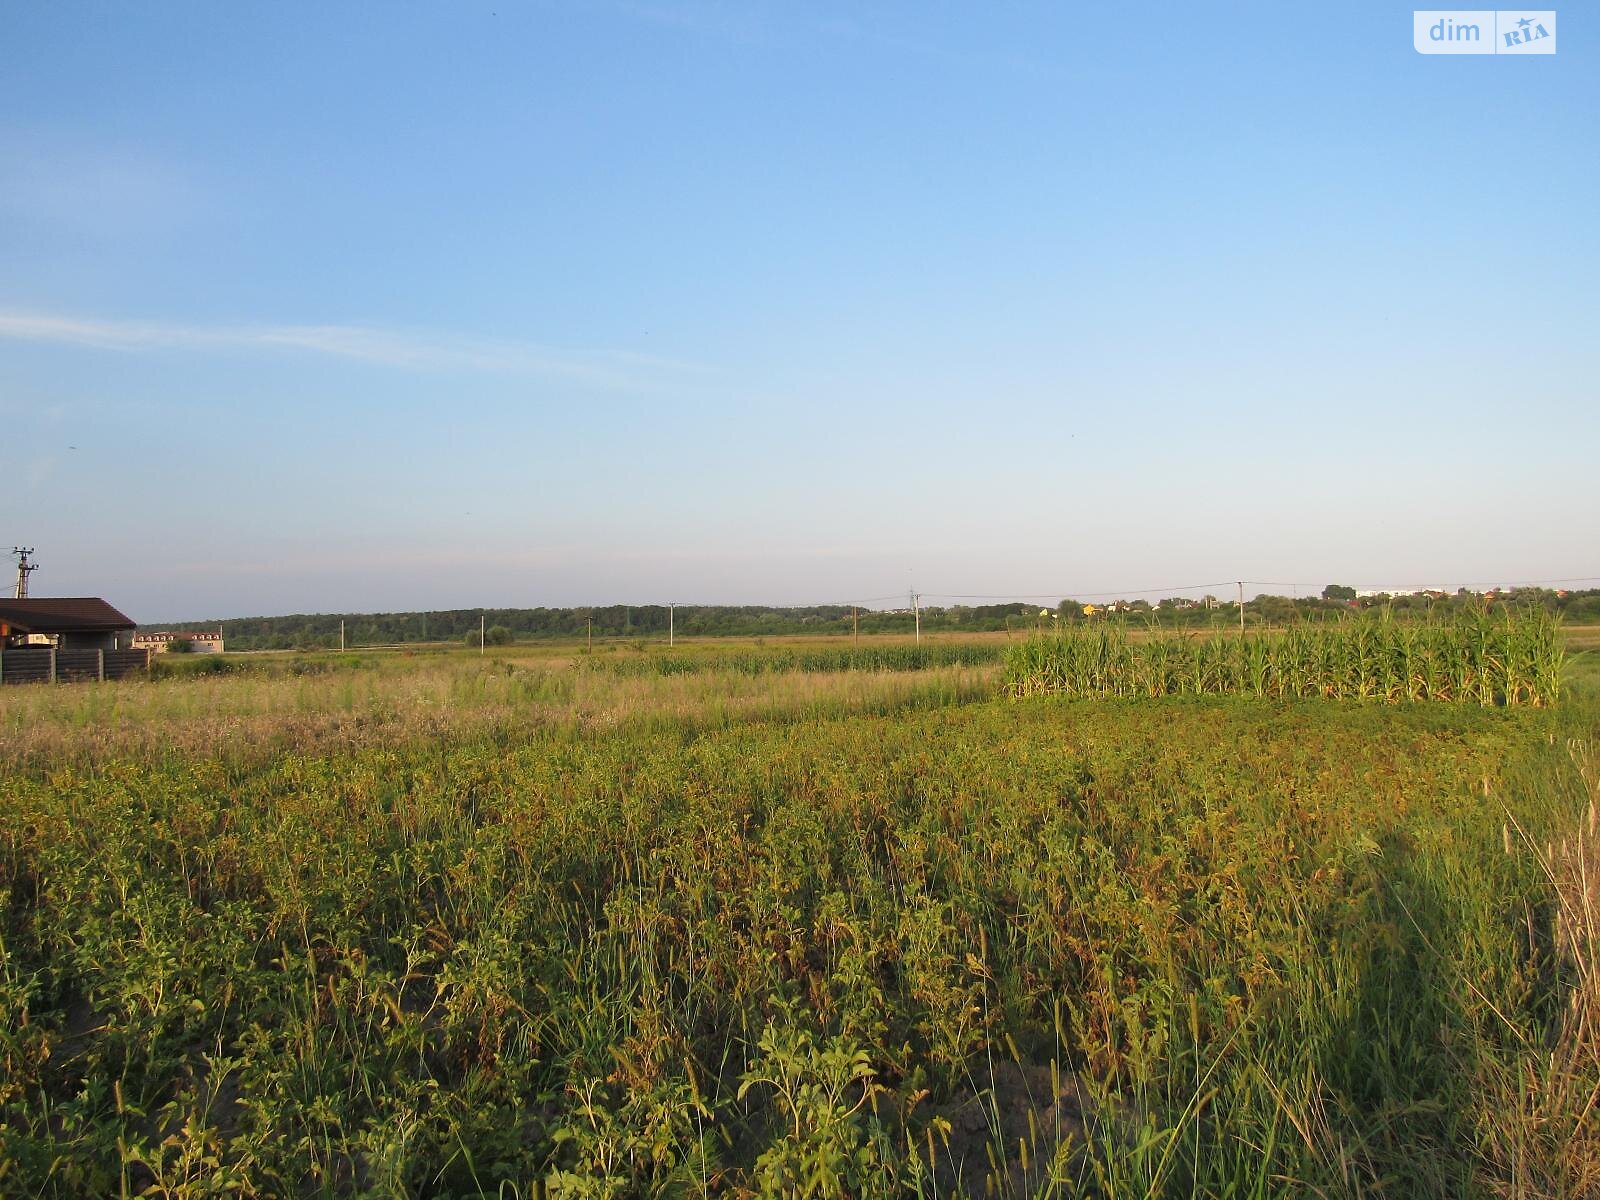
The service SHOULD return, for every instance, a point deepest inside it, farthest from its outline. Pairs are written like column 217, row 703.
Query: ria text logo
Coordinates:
column 1484, row 31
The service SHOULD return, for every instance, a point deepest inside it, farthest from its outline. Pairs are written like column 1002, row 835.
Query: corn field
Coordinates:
column 1510, row 658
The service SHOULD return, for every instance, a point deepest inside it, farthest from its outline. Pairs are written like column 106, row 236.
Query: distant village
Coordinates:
column 64, row 639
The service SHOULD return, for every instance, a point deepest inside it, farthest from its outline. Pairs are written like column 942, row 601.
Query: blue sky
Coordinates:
column 355, row 307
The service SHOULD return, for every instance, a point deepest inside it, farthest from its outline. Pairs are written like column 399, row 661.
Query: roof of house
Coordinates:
column 62, row 614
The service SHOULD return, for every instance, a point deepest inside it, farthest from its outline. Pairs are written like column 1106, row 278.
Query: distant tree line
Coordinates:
column 615, row 621
column 649, row 621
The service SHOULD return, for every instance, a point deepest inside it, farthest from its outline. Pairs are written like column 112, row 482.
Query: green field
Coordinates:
column 789, row 919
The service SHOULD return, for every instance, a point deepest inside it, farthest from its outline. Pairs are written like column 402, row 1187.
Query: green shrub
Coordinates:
column 164, row 666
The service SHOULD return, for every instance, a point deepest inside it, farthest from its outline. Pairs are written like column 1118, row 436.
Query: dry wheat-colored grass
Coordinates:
column 245, row 716
column 1543, row 1113
column 1571, row 1090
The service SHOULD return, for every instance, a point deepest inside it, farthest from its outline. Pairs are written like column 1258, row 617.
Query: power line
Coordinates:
column 861, row 602
column 915, row 598
column 1061, row 593
column 24, row 569
column 1068, row 592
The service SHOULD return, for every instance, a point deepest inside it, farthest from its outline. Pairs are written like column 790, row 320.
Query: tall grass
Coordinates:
column 818, row 660
column 246, row 716
column 464, row 928
column 1507, row 658
column 1541, row 1127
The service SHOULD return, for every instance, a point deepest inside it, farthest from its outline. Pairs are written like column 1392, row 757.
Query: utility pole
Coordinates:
column 855, row 627
column 916, row 609
column 480, row 634
column 341, row 633
column 670, row 608
column 590, row 619
column 24, row 569
column 1241, row 608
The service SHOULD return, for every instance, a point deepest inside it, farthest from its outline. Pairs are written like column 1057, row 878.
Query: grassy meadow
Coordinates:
column 792, row 919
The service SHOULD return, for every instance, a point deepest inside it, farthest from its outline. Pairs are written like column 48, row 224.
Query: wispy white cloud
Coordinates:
column 381, row 347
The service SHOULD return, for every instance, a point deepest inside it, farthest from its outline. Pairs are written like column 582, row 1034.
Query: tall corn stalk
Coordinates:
column 1509, row 658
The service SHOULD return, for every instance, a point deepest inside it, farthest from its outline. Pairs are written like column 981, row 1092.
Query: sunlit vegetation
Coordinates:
column 462, row 925
column 815, row 660
column 1508, row 657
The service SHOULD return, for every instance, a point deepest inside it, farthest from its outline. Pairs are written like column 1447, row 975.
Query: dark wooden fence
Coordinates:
column 122, row 663
column 44, row 664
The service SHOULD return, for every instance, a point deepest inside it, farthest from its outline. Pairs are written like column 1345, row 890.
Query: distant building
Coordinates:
column 64, row 622
column 1374, row 593
column 66, row 639
column 160, row 641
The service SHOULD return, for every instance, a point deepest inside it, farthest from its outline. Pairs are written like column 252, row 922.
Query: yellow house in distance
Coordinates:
column 159, row 642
